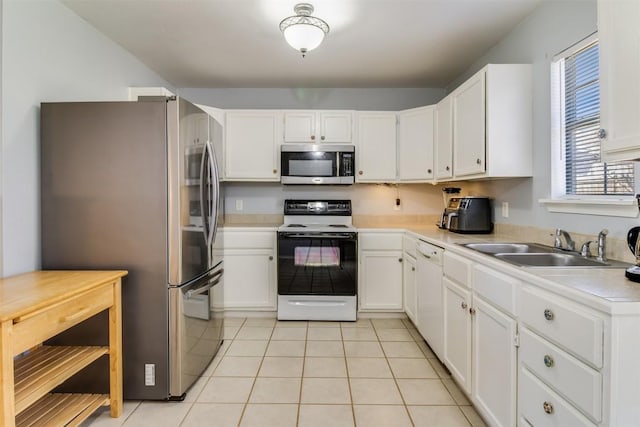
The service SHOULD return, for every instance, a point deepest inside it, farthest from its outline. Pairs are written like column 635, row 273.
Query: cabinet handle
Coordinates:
column 270, row 257
column 360, row 172
column 472, row 311
column 478, row 161
column 428, row 170
column 548, row 361
column 399, row 259
column 413, row 269
column 322, row 138
column 548, row 314
column 313, row 137
column 548, row 407
column 464, row 305
column 275, row 171
column 602, row 133
column 447, row 168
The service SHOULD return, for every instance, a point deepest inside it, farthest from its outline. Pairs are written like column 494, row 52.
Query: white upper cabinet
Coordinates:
column 318, row 126
column 492, row 123
column 443, row 145
column 619, row 38
column 252, row 145
column 376, row 146
column 415, row 144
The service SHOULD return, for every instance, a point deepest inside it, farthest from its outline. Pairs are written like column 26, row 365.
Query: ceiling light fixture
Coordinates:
column 303, row 31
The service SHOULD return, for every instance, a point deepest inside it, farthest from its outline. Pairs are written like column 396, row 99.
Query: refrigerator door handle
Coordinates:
column 203, row 194
column 202, row 289
column 216, row 191
column 213, row 199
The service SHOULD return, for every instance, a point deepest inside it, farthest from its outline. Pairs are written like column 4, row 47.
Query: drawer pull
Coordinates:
column 548, row 314
column 548, row 361
column 463, row 305
column 75, row 315
column 548, row 407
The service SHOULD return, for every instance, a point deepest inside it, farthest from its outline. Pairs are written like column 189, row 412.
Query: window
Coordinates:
column 585, row 173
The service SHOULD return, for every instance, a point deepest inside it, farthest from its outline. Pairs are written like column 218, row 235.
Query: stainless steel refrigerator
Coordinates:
column 135, row 186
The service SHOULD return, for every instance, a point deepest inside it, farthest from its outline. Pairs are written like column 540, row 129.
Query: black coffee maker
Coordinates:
column 633, row 272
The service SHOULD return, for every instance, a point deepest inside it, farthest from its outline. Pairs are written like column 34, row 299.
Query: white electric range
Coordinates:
column 317, row 261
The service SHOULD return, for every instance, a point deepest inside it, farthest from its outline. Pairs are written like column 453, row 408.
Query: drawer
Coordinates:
column 574, row 380
column 569, row 325
column 457, row 268
column 380, row 241
column 498, row 288
column 33, row 329
column 409, row 245
column 542, row 407
column 250, row 240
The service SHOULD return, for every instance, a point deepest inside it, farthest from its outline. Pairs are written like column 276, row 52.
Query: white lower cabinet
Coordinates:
column 250, row 281
column 380, row 271
column 494, row 363
column 457, row 332
column 409, row 286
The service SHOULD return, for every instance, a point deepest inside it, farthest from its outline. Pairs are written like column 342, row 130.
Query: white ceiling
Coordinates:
column 371, row 43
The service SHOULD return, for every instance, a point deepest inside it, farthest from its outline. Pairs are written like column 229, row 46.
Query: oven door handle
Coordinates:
column 315, row 236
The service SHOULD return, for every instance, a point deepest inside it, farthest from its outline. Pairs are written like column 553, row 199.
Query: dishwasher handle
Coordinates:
column 431, row 252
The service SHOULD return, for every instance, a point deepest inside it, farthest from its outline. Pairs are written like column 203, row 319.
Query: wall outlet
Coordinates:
column 239, row 205
column 505, row 209
column 149, row 374
column 396, row 207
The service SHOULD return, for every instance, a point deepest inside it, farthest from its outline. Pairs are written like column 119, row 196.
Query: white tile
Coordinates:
column 368, row 367
column 291, row 324
column 260, row 321
column 325, row 390
column 426, row 350
column 324, row 334
column 230, row 332
column 359, row 334
column 281, row 367
column 275, row 390
column 382, row 416
column 394, row 335
column 457, row 394
column 325, row 416
column 424, row 392
column 289, row 334
column 226, row 390
column 363, row 349
column 231, row 366
column 247, row 348
column 286, row 349
column 411, row 368
column 102, row 416
column 269, row 415
column 160, row 414
column 437, row 416
column 388, row 324
column 472, row 416
column 195, row 389
column 401, row 349
column 325, row 367
column 325, row 349
column 213, row 415
column 318, row 324
column 360, row 323
column 440, row 369
column 374, row 391
column 254, row 333
column 234, row 321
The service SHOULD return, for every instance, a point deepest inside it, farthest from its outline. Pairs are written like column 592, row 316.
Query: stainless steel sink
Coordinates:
column 550, row 260
column 539, row 255
column 508, row 248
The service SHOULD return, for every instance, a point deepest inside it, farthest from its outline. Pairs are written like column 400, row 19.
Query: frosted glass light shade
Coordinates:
column 303, row 37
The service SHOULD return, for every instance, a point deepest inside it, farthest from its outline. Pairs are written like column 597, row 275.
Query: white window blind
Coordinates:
column 586, row 174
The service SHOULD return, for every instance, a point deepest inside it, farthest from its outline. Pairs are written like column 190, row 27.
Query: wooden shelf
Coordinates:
column 38, row 372
column 61, row 409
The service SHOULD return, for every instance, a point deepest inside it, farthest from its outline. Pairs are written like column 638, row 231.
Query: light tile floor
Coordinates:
column 373, row 372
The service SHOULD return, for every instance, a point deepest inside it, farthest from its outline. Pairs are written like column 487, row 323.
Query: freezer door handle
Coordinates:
column 208, row 285
column 213, row 202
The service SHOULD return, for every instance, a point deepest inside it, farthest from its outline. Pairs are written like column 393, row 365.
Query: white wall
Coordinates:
column 48, row 54
column 551, row 28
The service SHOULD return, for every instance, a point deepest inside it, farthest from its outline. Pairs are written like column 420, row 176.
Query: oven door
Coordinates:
column 317, row 264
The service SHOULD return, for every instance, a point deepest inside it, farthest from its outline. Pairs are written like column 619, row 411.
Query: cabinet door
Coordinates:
column 444, row 139
column 250, row 279
column 469, row 126
column 376, row 147
column 300, row 126
column 415, row 144
column 252, row 145
column 380, row 284
column 457, row 333
column 494, row 364
column 619, row 35
column 335, row 126
column 409, row 285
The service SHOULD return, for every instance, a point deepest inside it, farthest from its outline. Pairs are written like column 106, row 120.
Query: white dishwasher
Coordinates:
column 429, row 292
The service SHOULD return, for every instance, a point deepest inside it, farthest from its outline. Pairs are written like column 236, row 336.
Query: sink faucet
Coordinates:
column 602, row 245
column 571, row 245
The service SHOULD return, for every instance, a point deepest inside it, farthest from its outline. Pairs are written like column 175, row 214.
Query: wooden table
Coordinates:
column 37, row 306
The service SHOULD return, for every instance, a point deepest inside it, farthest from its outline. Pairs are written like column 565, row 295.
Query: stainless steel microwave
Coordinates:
column 317, row 163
